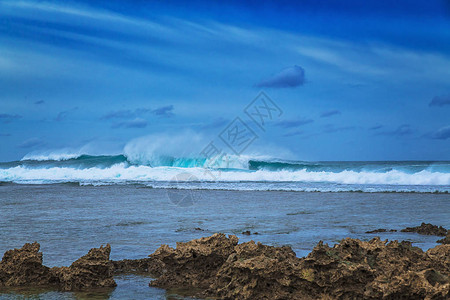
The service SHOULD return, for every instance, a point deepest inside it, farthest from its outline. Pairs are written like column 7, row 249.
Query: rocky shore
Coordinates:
column 218, row 267
column 23, row 267
column 353, row 269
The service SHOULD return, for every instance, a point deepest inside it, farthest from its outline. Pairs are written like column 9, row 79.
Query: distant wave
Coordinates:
column 125, row 172
column 237, row 171
column 51, row 156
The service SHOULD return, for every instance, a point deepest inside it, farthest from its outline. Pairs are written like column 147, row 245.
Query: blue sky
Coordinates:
column 356, row 80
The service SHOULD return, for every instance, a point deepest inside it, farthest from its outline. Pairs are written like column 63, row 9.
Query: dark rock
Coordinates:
column 248, row 232
column 427, row 229
column 381, row 230
column 198, row 229
column 23, row 267
column 92, row 270
column 195, row 263
column 352, row 269
column 445, row 240
column 144, row 265
column 377, row 230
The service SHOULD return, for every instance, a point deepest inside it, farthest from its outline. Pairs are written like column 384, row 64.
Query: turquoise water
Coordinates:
column 231, row 173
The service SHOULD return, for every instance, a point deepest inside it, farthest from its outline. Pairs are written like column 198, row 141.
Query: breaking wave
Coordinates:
column 242, row 171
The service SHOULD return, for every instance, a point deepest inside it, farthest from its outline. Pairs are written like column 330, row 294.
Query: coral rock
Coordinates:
column 92, row 270
column 195, row 263
column 22, row 267
column 427, row 229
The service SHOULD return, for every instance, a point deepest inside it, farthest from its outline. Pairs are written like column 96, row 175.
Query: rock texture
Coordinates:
column 193, row 264
column 145, row 265
column 381, row 230
column 93, row 270
column 445, row 240
column 23, row 267
column 352, row 269
column 427, row 229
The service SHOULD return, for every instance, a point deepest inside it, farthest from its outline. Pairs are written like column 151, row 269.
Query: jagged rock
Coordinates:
column 248, row 232
column 256, row 271
column 145, row 265
column 445, row 240
column 22, row 267
column 92, row 270
column 195, row 263
column 427, row 229
column 352, row 269
column 381, row 230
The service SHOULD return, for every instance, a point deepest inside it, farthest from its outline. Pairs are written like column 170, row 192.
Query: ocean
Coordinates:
column 231, row 173
column 70, row 204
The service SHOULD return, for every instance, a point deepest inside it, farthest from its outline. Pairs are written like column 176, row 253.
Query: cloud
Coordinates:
column 287, row 78
column 7, row 118
column 440, row 100
column 376, row 127
column 294, row 133
column 442, row 133
column 330, row 113
column 402, row 130
column 293, row 123
column 5, row 134
column 63, row 114
column 135, row 123
column 125, row 114
column 31, row 143
column 215, row 124
column 39, row 102
column 330, row 128
column 165, row 111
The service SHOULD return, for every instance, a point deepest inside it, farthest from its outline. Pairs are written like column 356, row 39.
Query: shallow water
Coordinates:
column 67, row 220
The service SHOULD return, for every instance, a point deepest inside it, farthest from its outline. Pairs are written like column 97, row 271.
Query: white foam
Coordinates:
column 121, row 173
column 57, row 156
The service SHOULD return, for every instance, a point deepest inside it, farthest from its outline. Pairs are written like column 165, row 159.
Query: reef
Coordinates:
column 219, row 267
column 147, row 266
column 381, row 230
column 445, row 240
column 23, row 267
column 427, row 229
column 353, row 269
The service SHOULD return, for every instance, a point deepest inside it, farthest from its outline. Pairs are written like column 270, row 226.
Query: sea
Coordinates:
column 72, row 203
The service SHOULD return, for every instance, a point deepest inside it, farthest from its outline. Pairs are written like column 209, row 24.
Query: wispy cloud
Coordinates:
column 293, row 123
column 135, row 123
column 8, row 118
column 63, row 114
column 165, row 111
column 330, row 113
column 440, row 100
column 215, row 124
column 330, row 128
column 402, row 130
column 441, row 134
column 5, row 134
column 39, row 102
column 125, row 114
column 376, row 127
column 294, row 133
column 287, row 78
column 31, row 143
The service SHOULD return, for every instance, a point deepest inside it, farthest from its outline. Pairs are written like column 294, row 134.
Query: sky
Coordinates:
column 351, row 80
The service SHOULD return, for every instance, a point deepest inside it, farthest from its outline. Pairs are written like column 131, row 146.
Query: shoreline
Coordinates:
column 145, row 185
column 218, row 266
